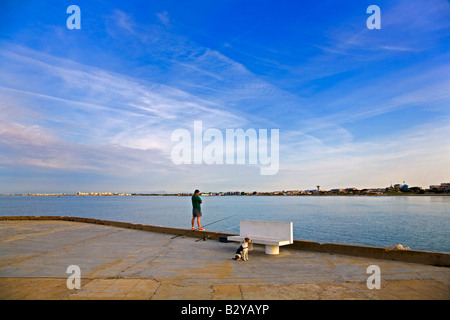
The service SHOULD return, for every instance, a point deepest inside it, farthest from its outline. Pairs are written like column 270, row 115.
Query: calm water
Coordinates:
column 422, row 223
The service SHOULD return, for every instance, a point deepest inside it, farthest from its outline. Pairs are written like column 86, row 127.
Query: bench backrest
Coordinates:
column 267, row 229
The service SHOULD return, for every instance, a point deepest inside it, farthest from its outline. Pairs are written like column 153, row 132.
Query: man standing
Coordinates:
column 196, row 209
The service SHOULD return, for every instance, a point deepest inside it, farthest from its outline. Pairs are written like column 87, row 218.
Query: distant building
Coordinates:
column 443, row 187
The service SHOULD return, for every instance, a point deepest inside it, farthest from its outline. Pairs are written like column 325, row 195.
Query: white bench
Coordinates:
column 272, row 234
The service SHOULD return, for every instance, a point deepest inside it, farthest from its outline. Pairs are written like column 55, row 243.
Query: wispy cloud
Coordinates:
column 119, row 105
column 109, row 106
column 396, row 48
column 122, row 20
column 164, row 18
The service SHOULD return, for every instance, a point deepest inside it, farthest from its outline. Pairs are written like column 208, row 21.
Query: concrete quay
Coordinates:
column 125, row 262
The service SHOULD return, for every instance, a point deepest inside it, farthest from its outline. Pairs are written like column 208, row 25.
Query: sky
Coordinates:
column 95, row 109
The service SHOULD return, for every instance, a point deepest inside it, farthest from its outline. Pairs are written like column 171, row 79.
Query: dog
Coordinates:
column 242, row 251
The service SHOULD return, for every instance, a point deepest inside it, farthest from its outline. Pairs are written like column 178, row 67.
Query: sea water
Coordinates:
column 418, row 222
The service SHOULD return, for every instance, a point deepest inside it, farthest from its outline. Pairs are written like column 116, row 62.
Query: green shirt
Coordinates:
column 196, row 202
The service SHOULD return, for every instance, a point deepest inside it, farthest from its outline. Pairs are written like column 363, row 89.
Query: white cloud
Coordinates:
column 119, row 109
column 418, row 155
column 164, row 18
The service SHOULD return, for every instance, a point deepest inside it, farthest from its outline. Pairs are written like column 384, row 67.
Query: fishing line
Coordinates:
column 205, row 238
column 184, row 234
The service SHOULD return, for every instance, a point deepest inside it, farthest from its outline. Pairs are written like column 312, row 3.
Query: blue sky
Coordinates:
column 94, row 109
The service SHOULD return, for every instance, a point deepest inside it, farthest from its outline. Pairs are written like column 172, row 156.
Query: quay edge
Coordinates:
column 440, row 259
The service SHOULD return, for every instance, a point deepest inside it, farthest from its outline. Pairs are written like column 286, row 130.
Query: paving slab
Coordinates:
column 120, row 263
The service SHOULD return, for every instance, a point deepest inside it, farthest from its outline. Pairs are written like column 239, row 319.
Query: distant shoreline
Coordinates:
column 223, row 195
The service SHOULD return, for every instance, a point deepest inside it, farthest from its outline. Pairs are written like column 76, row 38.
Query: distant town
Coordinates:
column 396, row 189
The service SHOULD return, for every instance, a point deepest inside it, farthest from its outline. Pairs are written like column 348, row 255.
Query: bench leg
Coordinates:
column 272, row 249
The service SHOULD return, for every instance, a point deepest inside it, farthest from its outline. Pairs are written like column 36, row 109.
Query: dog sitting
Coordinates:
column 242, row 251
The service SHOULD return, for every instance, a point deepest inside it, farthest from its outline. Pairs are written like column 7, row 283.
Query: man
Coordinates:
column 196, row 209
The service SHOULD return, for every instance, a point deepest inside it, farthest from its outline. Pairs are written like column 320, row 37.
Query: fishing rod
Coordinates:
column 205, row 238
column 184, row 234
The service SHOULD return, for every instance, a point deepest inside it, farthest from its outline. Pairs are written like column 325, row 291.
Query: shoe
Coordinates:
column 201, row 229
column 193, row 228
